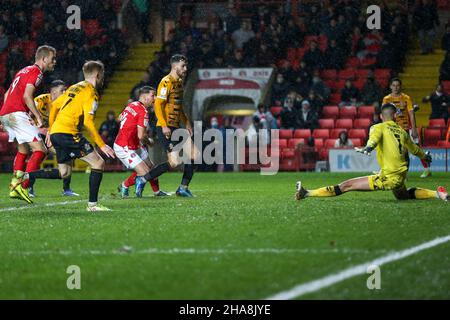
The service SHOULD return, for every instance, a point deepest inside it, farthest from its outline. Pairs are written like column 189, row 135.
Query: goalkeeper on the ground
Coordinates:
column 391, row 143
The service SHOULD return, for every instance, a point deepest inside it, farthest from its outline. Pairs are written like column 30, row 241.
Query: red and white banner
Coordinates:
column 243, row 82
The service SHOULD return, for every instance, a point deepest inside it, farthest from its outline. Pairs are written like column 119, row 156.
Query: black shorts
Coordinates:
column 168, row 144
column 69, row 147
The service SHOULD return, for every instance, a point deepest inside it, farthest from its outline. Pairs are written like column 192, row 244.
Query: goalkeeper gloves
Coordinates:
column 365, row 150
column 427, row 157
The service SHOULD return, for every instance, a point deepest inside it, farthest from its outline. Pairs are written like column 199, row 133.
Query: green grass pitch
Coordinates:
column 242, row 237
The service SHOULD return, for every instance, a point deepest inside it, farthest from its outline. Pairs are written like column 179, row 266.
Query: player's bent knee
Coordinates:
column 174, row 160
column 98, row 164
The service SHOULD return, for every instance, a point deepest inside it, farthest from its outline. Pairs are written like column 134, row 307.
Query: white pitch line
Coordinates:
column 27, row 207
column 345, row 274
column 129, row 250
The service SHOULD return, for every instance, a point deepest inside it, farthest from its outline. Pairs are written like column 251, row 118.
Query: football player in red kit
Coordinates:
column 131, row 141
column 14, row 115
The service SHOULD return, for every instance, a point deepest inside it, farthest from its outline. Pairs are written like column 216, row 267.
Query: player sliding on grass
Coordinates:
column 392, row 144
column 44, row 105
column 131, row 141
column 170, row 114
column 70, row 112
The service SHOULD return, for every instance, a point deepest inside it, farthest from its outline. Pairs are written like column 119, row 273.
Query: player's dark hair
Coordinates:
column 144, row 90
column 57, row 83
column 395, row 79
column 177, row 58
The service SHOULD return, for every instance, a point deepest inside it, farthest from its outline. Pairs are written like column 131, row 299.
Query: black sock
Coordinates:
column 337, row 190
column 31, row 183
column 187, row 174
column 157, row 171
column 44, row 174
column 95, row 178
column 66, row 183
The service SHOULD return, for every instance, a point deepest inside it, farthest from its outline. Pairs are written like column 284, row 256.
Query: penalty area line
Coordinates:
column 348, row 273
column 26, row 207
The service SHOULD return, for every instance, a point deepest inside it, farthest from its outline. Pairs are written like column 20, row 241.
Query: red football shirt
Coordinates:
column 14, row 101
column 134, row 115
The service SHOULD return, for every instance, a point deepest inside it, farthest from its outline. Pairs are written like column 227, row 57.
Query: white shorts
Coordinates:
column 130, row 158
column 21, row 127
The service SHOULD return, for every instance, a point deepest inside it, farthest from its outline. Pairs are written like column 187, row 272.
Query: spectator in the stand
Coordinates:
column 242, row 35
column 332, row 31
column 334, row 56
column 440, row 101
column 445, row 43
column 20, row 24
column 288, row 116
column 314, row 57
column 16, row 59
column 303, row 72
column 237, row 60
column 343, row 141
column 264, row 56
column 232, row 21
column 253, row 132
column 313, row 20
column 301, row 87
column 425, row 19
column 280, row 89
column 371, row 92
column 218, row 62
column 142, row 8
column 293, row 34
column 107, row 15
column 145, row 81
column 111, row 126
column 320, row 88
column 315, row 101
column 444, row 70
column 3, row 39
column 307, row 118
column 263, row 113
column 350, row 95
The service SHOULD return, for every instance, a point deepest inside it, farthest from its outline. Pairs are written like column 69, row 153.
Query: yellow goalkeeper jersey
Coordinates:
column 74, row 109
column 392, row 143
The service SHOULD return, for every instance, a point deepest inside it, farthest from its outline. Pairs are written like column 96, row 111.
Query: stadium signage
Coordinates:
column 347, row 160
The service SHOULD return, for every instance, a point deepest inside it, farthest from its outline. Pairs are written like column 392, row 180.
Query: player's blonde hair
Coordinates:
column 43, row 52
column 92, row 66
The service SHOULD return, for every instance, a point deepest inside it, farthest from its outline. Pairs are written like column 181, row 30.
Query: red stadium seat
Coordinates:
column 437, row 123
column 362, row 123
column 366, row 111
column 431, row 137
column 446, row 86
column 382, row 73
column 356, row 142
column 368, row 62
column 344, row 123
column 285, row 133
column 443, row 143
column 318, row 143
column 362, row 73
column 330, row 111
column 282, row 143
column 347, row 112
column 287, row 153
column 332, row 84
column 302, row 133
column 352, row 62
column 321, row 133
column 346, row 74
column 301, row 52
column 329, row 143
column 91, row 28
column 340, row 84
column 357, row 133
column 335, row 98
column 326, row 123
column 292, row 143
column 276, row 110
column 329, row 74
column 289, row 165
column 334, row 133
column 359, row 84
